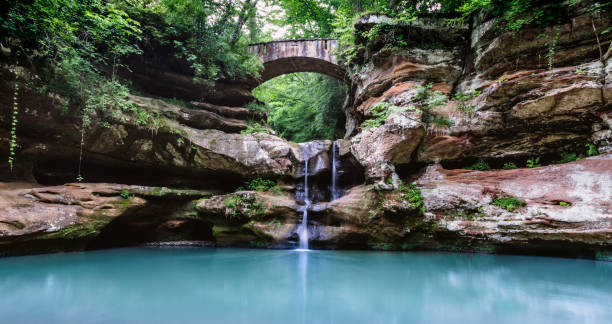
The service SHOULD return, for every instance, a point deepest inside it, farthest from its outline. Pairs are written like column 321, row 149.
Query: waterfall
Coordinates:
column 335, row 194
column 303, row 230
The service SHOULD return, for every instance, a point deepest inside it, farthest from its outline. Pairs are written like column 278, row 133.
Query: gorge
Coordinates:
column 418, row 114
column 313, row 161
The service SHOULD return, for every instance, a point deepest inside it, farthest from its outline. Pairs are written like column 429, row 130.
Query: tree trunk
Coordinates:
column 244, row 15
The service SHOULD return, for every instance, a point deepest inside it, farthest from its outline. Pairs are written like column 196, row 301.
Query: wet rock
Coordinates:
column 317, row 153
column 251, row 219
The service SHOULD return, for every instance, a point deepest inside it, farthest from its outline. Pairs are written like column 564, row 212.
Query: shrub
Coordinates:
column 465, row 108
column 508, row 202
column 569, row 157
column 381, row 112
column 125, row 194
column 256, row 107
column 261, row 185
column 442, row 121
column 412, row 194
column 254, row 127
column 534, row 162
column 509, row 166
column 480, row 166
column 591, row 150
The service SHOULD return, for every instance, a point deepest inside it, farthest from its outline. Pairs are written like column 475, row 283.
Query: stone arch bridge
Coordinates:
column 298, row 55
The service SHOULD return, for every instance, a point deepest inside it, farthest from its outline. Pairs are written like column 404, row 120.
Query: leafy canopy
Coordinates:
column 303, row 106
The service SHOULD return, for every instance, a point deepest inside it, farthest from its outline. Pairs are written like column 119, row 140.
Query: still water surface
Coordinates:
column 171, row 285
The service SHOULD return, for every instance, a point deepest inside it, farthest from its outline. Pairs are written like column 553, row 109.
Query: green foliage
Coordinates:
column 463, row 97
column 261, row 185
column 412, row 194
column 13, row 139
column 534, row 162
column 481, row 165
column 551, row 49
column 247, row 205
column 380, row 112
column 125, row 194
column 564, row 204
column 591, row 150
column 515, row 14
column 569, row 157
column 430, row 98
column 442, row 121
column 510, row 166
column 207, row 34
column 76, row 46
column 508, row 202
column 303, row 106
column 256, row 107
column 254, row 127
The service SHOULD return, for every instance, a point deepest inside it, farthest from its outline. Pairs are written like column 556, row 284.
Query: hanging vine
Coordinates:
column 551, row 50
column 13, row 140
column 79, row 176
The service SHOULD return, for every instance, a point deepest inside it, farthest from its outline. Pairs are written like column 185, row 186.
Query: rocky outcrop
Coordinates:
column 181, row 145
column 563, row 204
column 80, row 216
column 558, row 209
column 427, row 99
column 512, row 97
column 379, row 149
column 250, row 218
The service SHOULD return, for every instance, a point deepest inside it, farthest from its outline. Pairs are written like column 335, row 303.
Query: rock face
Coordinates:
column 250, row 218
column 180, row 145
column 566, row 212
column 380, row 148
column 79, row 216
column 512, row 97
column 564, row 204
column 423, row 110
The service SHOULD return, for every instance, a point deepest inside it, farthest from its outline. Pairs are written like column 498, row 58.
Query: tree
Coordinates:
column 304, row 106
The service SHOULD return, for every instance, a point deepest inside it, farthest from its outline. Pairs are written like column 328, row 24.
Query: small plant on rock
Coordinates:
column 480, row 166
column 412, row 194
column 442, row 121
column 564, row 204
column 261, row 185
column 591, row 150
column 125, row 194
column 380, row 112
column 569, row 157
column 510, row 166
column 534, row 162
column 254, row 127
column 508, row 203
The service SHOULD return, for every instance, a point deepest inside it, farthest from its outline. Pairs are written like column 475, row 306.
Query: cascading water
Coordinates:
column 335, row 193
column 303, row 230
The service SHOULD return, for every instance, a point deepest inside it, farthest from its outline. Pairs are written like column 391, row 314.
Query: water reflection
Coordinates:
column 303, row 273
column 259, row 286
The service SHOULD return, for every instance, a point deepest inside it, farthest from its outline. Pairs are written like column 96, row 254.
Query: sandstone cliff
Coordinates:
column 453, row 97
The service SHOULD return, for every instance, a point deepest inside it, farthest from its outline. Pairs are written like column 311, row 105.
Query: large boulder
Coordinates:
column 378, row 149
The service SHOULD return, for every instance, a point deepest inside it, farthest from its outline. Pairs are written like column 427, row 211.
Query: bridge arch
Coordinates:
column 298, row 55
